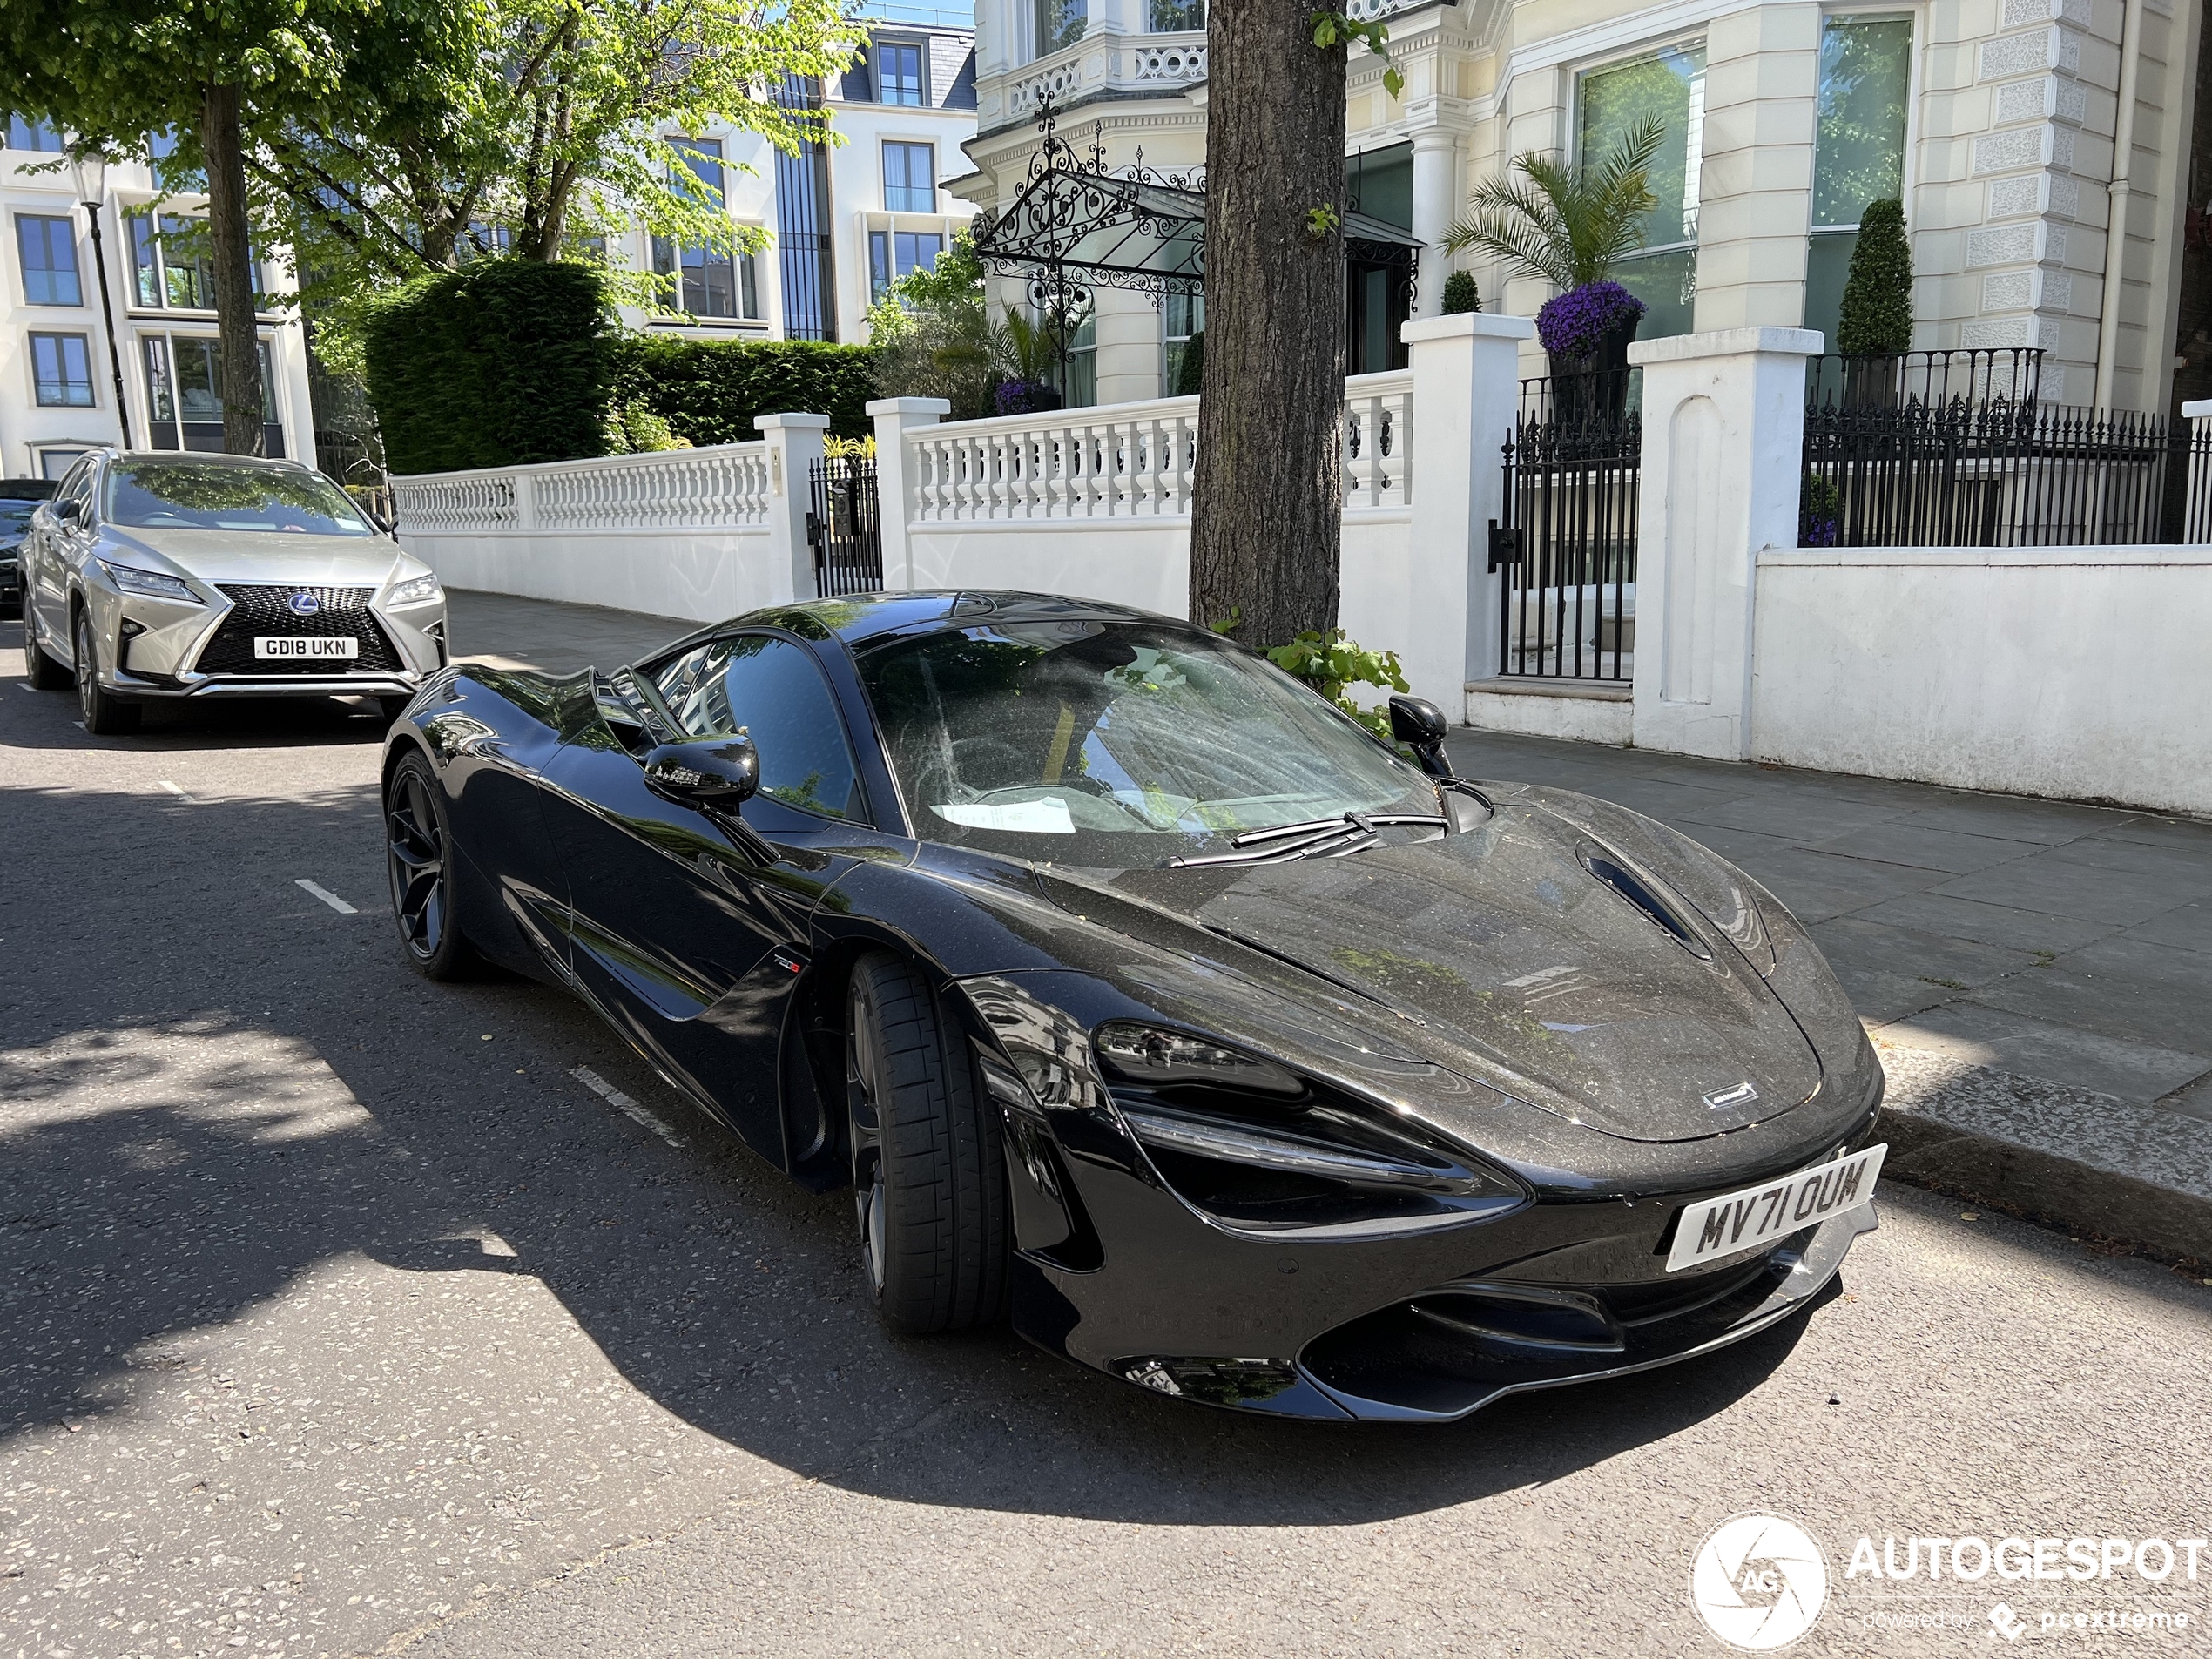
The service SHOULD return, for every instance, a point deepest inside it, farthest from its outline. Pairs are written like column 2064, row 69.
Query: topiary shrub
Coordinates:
column 1461, row 293
column 1190, row 372
column 709, row 390
column 499, row 363
column 1878, row 295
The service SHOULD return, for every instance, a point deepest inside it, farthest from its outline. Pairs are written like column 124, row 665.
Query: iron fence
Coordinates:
column 1568, row 545
column 1957, row 448
column 845, row 527
column 2193, row 485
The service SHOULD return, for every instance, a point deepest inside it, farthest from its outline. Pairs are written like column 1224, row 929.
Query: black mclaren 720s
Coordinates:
column 1144, row 997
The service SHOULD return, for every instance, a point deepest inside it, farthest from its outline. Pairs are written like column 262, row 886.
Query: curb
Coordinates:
column 2175, row 1227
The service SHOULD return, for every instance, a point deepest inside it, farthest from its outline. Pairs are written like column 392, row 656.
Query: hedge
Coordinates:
column 709, row 390
column 501, row 362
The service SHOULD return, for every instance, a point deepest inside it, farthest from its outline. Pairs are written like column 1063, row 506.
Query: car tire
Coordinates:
column 42, row 670
column 418, row 851
column 106, row 714
column 929, row 1163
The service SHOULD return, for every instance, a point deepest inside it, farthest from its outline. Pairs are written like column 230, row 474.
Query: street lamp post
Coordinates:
column 91, row 171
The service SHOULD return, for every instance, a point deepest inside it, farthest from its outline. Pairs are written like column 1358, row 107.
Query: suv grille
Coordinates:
column 265, row 609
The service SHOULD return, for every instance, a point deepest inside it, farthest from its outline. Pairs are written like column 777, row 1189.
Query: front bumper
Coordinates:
column 159, row 650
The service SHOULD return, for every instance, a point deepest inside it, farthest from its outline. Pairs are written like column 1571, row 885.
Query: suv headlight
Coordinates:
column 418, row 590
column 152, row 584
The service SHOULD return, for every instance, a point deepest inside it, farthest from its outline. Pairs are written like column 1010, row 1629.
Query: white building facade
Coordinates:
column 844, row 219
column 58, row 394
column 2041, row 149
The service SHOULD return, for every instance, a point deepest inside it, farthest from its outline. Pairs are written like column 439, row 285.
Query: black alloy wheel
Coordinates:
column 105, row 715
column 416, row 843
column 928, row 1165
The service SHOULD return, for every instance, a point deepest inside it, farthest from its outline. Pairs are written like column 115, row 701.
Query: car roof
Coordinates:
column 861, row 618
column 202, row 458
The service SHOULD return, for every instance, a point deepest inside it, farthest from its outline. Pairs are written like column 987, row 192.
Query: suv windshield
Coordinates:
column 15, row 513
column 1116, row 745
column 213, row 495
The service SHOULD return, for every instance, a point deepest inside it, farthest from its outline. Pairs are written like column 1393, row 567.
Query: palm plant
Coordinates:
column 1568, row 225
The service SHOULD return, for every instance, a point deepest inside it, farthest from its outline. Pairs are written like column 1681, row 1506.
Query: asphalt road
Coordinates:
column 339, row 1317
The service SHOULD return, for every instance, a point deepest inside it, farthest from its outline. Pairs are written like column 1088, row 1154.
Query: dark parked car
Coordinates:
column 1132, row 986
column 19, row 499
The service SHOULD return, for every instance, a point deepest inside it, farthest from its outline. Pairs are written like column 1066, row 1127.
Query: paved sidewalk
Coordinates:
column 2035, row 973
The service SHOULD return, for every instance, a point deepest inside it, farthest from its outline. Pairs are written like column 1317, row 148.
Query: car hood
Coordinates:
column 267, row 556
column 1499, row 954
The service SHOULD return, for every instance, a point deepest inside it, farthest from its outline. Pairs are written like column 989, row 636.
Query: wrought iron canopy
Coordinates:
column 1079, row 223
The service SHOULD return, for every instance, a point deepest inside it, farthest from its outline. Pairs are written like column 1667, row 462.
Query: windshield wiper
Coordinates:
column 1333, row 838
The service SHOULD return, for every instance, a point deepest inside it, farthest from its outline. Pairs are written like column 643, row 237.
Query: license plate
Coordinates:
column 309, row 647
column 1742, row 1221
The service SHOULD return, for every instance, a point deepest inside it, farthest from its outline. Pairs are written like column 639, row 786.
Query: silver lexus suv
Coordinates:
column 165, row 575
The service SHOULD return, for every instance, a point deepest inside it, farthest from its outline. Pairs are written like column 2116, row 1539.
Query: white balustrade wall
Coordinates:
column 682, row 533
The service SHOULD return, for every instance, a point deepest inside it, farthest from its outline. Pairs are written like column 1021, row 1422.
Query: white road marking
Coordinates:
column 327, row 896
column 622, row 1103
column 174, row 789
column 25, row 685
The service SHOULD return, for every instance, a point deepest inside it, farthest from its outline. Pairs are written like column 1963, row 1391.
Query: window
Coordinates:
column 1057, row 23
column 1610, row 102
column 893, row 255
column 803, row 239
column 184, row 394
column 1178, row 16
column 171, row 263
column 48, row 251
column 1078, row 388
column 1181, row 317
column 25, row 134
column 773, row 690
column 1858, row 148
column 56, row 463
column 712, row 282
column 899, row 77
column 61, row 369
column 910, row 178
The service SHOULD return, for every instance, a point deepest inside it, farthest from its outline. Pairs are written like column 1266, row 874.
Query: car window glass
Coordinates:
column 73, row 484
column 203, row 496
column 773, row 691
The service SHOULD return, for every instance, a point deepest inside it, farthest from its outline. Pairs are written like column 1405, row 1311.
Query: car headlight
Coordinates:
column 1155, row 1055
column 152, row 584
column 418, row 590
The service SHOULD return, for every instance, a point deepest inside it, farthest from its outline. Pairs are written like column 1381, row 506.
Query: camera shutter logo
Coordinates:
column 304, row 604
column 1758, row 1583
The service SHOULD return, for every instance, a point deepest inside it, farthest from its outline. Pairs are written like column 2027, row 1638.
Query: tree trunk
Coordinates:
column 240, row 351
column 1267, row 525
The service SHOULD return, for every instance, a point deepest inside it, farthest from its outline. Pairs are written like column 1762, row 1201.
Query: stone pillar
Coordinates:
column 1466, row 386
column 794, row 445
column 1755, row 187
column 1723, row 448
column 1436, row 203
column 894, row 417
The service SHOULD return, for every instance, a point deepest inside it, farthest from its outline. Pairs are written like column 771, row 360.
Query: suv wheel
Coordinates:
column 106, row 714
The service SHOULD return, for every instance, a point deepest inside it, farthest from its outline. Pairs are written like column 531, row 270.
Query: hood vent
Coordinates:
column 1632, row 887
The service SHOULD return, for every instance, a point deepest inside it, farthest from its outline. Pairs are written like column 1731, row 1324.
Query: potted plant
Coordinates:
column 1875, row 327
column 1570, row 225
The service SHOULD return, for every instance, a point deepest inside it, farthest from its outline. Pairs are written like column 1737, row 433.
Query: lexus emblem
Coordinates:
column 304, row 604
column 1742, row 1095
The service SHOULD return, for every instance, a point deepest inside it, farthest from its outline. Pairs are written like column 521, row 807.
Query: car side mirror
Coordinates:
column 719, row 772
column 1420, row 725
column 69, row 511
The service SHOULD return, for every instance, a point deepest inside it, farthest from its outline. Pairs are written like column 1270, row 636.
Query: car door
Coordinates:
column 48, row 555
column 683, row 931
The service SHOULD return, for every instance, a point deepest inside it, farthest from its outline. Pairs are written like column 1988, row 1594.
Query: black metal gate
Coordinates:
column 845, row 528
column 1567, row 546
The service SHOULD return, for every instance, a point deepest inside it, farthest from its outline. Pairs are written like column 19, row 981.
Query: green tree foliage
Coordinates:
column 708, row 391
column 1330, row 663
column 1565, row 225
column 1461, row 293
column 1878, row 295
column 1191, row 373
column 502, row 362
column 935, row 337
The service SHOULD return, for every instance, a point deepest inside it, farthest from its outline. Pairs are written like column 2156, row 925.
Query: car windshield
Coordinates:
column 15, row 514
column 1116, row 745
column 203, row 496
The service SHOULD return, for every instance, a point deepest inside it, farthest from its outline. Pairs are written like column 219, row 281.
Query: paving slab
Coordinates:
column 2004, row 1039
column 2187, row 926
column 2126, row 988
column 1903, row 841
column 2064, row 887
column 2034, row 931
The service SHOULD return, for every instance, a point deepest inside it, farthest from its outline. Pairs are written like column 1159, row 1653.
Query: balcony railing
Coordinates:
column 1157, row 64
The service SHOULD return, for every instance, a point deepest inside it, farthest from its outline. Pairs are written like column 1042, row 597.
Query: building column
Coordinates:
column 1467, row 386
column 1724, row 449
column 794, row 445
column 1436, row 204
column 1755, row 184
column 894, row 417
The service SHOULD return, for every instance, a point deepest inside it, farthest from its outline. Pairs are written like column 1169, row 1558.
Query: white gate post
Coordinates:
column 1467, row 386
column 1724, row 449
column 794, row 445
column 894, row 417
